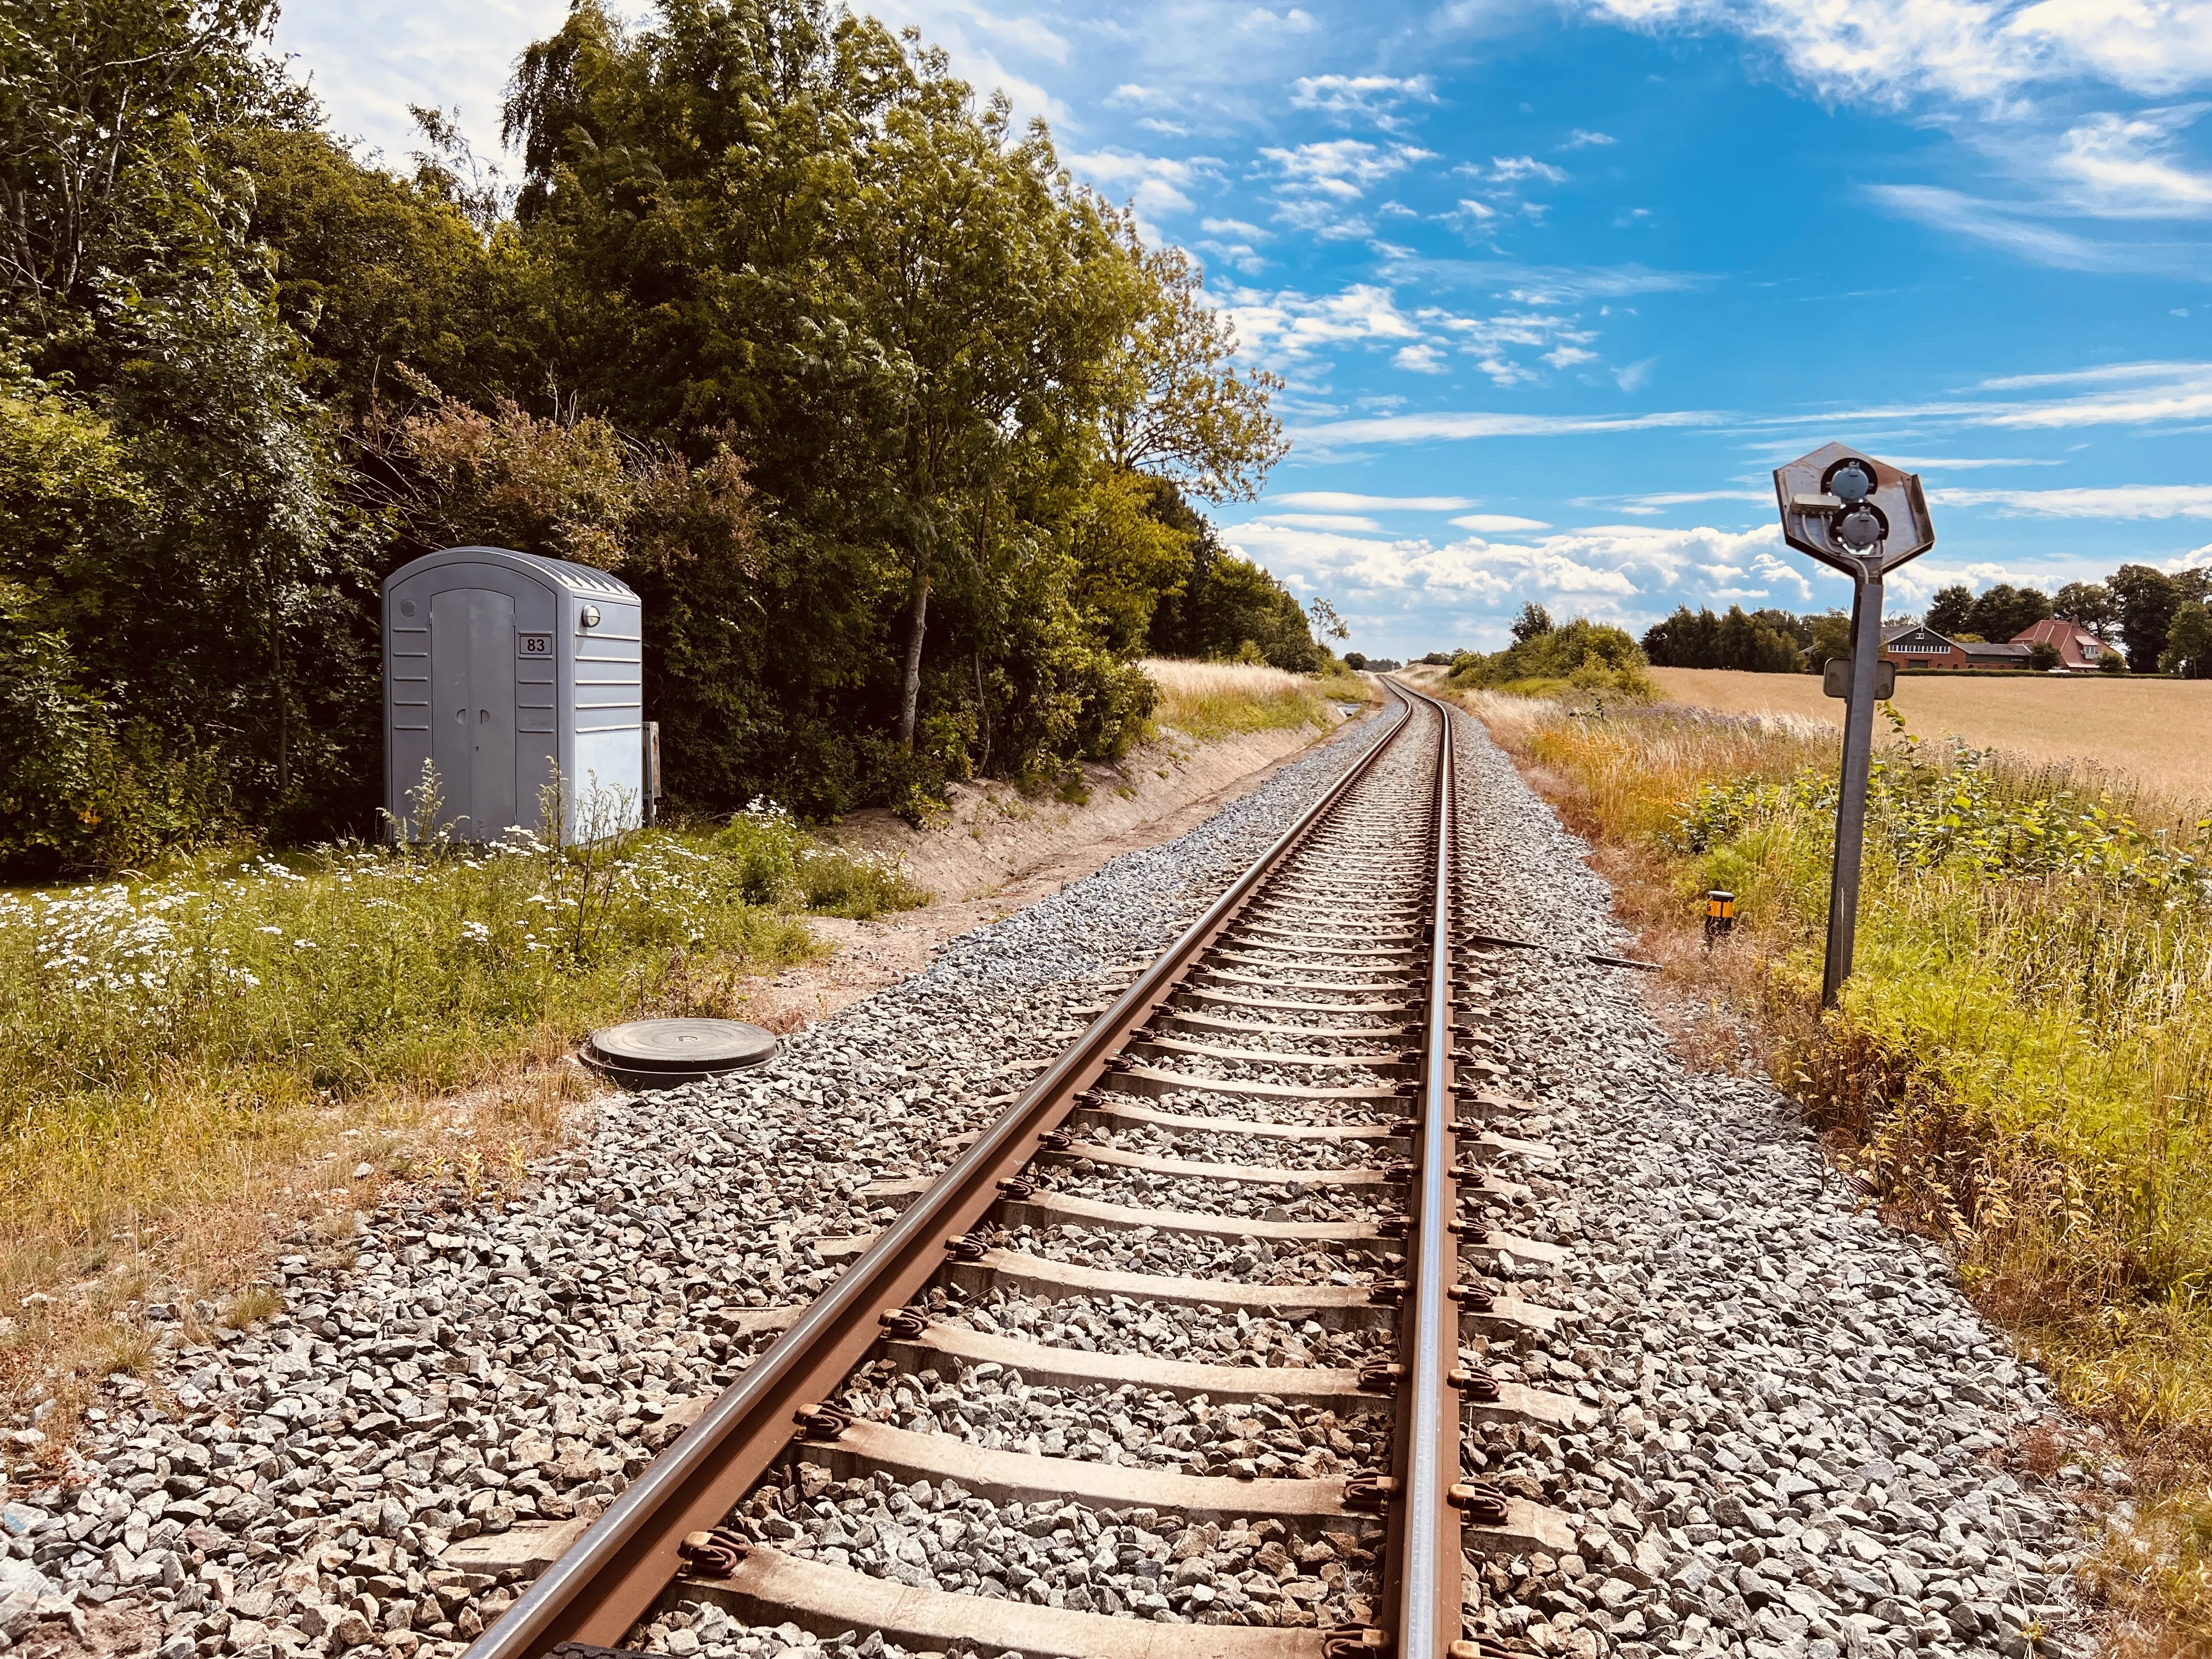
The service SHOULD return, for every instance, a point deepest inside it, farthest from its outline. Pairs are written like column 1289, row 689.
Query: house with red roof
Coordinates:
column 2080, row 652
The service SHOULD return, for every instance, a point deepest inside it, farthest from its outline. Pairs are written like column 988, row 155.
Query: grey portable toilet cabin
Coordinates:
column 500, row 666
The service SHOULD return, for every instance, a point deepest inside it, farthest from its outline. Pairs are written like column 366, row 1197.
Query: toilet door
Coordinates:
column 472, row 709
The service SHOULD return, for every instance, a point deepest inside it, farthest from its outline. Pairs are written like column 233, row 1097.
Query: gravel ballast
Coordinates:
column 1799, row 1427
column 453, row 1371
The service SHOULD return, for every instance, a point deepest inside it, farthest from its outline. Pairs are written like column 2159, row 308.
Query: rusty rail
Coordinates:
column 614, row 1573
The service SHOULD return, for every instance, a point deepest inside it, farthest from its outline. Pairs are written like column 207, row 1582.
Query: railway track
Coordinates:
column 1248, row 1432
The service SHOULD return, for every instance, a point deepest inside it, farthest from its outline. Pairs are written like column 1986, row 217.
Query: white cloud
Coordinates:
column 1153, row 185
column 2122, row 166
column 1422, row 359
column 1583, row 140
column 1495, row 523
column 1320, row 182
column 1512, row 169
column 1290, row 325
column 1371, row 98
column 1632, row 375
column 1343, row 167
column 1293, row 22
column 2101, row 375
column 2146, row 45
column 1342, row 502
column 1989, row 52
column 1606, row 569
column 2112, row 501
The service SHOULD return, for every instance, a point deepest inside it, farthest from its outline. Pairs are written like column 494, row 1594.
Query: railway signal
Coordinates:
column 1864, row 517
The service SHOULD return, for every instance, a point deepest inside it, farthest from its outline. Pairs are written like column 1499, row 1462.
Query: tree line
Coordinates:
column 903, row 436
column 2159, row 618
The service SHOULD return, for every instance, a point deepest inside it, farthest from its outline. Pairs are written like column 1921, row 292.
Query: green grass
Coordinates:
column 172, row 1045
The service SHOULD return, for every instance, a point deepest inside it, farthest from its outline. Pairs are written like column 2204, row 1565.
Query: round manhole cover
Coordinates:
column 660, row 1053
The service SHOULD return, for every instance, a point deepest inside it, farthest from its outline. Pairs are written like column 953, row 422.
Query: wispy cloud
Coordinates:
column 1317, row 521
column 1526, row 284
column 2147, row 394
column 1338, row 500
column 1659, row 502
column 2111, row 501
column 1373, row 98
column 1512, row 169
column 1966, row 463
column 1495, row 524
column 2012, row 228
column 1444, row 425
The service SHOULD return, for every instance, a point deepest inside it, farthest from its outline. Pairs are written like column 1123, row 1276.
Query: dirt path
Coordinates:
column 998, row 851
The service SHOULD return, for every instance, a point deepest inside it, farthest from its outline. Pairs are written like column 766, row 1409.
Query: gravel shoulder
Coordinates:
column 1809, row 1443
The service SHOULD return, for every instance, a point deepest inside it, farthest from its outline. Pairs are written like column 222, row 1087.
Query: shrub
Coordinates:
column 1582, row 661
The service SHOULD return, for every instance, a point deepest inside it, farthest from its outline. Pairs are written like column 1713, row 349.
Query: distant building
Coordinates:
column 1917, row 646
column 2080, row 652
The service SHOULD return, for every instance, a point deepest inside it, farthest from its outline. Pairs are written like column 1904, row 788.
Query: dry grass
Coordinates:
column 1209, row 700
column 2158, row 732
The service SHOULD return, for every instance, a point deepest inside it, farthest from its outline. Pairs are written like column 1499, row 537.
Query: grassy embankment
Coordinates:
column 190, row 1063
column 2022, row 1063
column 1211, row 700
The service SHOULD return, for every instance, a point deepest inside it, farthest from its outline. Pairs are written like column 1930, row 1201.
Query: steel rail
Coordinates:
column 1423, row 1581
column 614, row 1572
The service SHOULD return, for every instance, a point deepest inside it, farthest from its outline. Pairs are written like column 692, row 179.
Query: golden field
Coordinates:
column 2158, row 731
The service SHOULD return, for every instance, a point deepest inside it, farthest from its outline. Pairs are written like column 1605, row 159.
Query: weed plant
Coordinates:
column 2021, row 1063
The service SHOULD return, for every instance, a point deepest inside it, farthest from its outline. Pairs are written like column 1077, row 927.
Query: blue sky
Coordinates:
column 1555, row 283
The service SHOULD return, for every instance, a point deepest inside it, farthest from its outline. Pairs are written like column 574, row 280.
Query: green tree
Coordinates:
column 2189, row 642
column 1533, row 622
column 2147, row 599
column 1177, row 405
column 2004, row 612
column 2089, row 605
column 372, row 272
column 1832, row 641
column 1950, row 611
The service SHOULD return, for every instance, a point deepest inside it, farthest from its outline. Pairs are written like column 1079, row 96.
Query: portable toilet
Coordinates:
column 500, row 667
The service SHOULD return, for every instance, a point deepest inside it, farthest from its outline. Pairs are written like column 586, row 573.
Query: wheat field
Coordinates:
column 2158, row 731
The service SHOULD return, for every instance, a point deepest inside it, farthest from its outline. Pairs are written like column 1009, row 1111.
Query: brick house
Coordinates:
column 2080, row 652
column 1916, row 646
